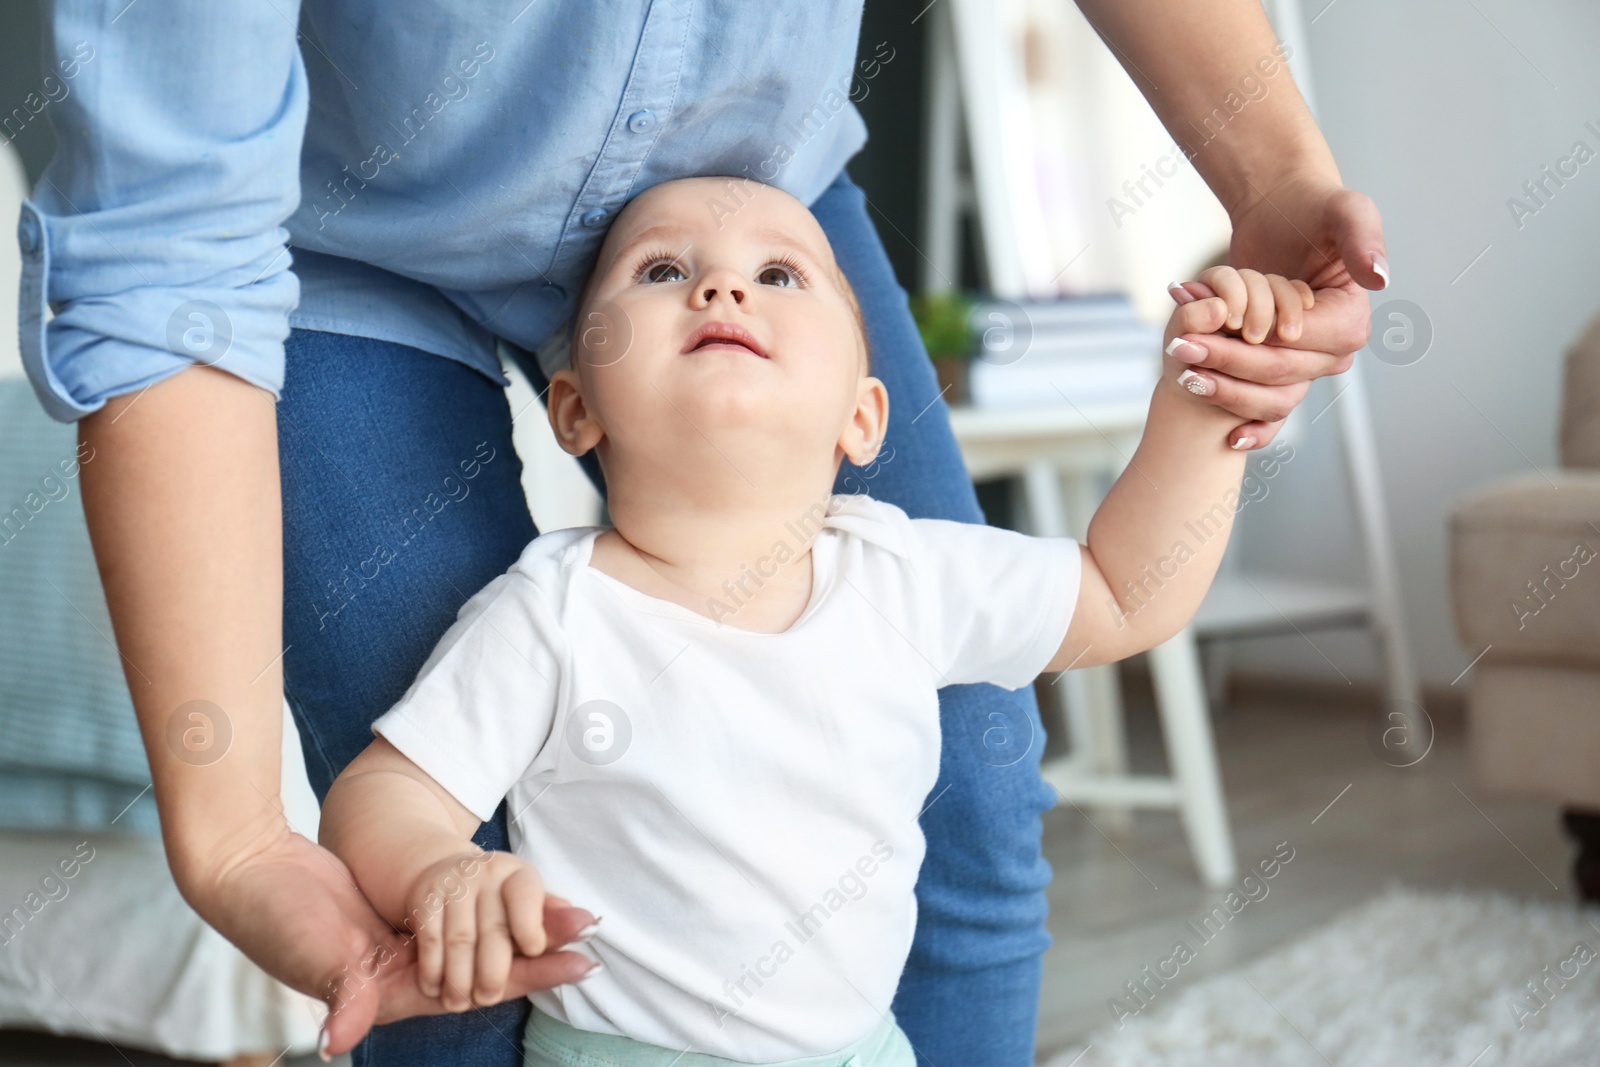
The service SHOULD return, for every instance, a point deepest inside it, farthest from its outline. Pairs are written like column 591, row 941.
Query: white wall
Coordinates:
column 13, row 190
column 1441, row 110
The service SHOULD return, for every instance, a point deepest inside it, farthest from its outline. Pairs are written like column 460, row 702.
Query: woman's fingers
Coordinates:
column 1253, row 435
column 1263, row 364
column 1248, row 400
column 562, row 922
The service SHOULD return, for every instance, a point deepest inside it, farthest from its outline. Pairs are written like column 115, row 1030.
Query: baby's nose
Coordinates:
column 737, row 294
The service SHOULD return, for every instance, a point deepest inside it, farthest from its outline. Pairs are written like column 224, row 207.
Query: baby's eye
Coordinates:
column 658, row 272
column 787, row 277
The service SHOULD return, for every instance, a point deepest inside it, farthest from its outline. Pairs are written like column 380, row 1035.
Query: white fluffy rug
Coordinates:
column 1409, row 978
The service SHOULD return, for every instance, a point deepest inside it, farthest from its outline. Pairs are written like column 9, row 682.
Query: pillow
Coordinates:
column 70, row 751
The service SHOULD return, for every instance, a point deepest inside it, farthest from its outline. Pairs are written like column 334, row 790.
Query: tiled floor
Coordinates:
column 1119, row 902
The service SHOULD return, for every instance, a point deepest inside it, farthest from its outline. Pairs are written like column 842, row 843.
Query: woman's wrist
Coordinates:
column 1252, row 175
column 202, row 854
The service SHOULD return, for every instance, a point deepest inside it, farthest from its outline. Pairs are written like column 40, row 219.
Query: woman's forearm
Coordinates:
column 183, row 505
column 1214, row 73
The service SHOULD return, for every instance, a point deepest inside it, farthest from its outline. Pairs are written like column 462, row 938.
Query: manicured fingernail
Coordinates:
column 1380, row 267
column 592, row 971
column 322, row 1046
column 1244, row 442
column 1187, row 351
column 1179, row 293
column 1198, row 384
column 588, row 931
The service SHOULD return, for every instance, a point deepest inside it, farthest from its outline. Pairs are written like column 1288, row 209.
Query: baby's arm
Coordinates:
column 408, row 842
column 1155, row 542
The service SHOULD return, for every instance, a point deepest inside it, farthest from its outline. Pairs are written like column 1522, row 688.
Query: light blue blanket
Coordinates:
column 70, row 753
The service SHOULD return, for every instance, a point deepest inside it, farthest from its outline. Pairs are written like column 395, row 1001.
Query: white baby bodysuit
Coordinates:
column 740, row 807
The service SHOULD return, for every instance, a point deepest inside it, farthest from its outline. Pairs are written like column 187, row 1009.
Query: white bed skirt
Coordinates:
column 113, row 953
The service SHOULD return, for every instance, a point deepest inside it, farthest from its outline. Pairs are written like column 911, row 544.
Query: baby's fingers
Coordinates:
column 1258, row 313
column 1197, row 316
column 1291, row 311
column 494, row 951
column 523, row 893
column 1228, row 284
column 429, row 931
column 460, row 951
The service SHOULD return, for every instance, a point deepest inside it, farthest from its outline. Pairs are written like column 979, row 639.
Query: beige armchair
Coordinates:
column 1525, row 585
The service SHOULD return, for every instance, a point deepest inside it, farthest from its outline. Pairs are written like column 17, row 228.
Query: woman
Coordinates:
column 459, row 164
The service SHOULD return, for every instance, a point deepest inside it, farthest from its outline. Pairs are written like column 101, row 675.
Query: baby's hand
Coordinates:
column 470, row 913
column 1254, row 307
column 1256, row 302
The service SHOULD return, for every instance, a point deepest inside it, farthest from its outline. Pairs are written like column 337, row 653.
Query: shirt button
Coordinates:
column 28, row 236
column 595, row 217
column 552, row 292
column 641, row 121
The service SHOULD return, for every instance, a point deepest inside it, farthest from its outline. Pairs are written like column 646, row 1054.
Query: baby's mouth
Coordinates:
column 724, row 335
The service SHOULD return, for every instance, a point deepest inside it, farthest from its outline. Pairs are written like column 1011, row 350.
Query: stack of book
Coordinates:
column 1089, row 350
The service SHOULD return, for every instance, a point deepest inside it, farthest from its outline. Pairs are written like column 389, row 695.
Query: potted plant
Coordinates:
column 942, row 321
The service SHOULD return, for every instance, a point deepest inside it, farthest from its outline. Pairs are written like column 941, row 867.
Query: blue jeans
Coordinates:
column 551, row 1043
column 402, row 497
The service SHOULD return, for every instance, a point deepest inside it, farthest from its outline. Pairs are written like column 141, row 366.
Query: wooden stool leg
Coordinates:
column 1180, row 696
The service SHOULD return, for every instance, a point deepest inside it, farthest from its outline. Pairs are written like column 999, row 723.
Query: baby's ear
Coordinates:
column 862, row 440
column 575, row 427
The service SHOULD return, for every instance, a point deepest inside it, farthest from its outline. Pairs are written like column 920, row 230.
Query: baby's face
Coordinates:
column 710, row 311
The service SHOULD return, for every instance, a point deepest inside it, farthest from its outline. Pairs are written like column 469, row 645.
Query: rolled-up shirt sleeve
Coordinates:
column 155, row 236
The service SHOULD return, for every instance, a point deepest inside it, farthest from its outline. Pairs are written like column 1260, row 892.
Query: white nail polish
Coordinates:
column 322, row 1046
column 1172, row 346
column 592, row 971
column 588, row 931
column 1194, row 383
column 1244, row 442
column 1380, row 267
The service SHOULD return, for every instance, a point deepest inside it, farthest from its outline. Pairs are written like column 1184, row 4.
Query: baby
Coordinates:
column 717, row 723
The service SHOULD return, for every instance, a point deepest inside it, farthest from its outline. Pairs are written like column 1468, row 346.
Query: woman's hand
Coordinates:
column 1307, row 226
column 293, row 908
column 1246, row 303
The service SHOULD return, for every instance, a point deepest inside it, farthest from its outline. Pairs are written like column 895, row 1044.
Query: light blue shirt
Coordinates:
column 460, row 162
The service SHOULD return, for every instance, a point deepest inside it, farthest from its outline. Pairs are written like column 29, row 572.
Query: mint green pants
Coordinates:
column 551, row 1043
